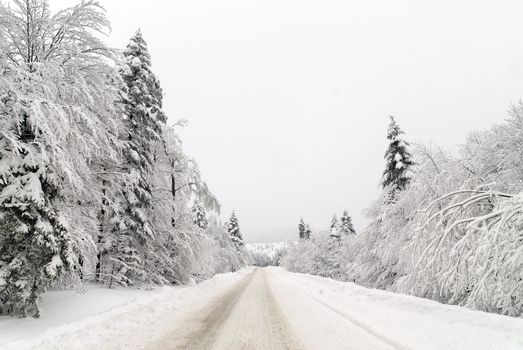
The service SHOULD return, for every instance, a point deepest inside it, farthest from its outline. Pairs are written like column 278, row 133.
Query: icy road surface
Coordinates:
column 245, row 317
column 257, row 308
column 252, row 316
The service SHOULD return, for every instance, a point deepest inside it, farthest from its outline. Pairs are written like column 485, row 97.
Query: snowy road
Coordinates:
column 257, row 308
column 245, row 317
column 262, row 311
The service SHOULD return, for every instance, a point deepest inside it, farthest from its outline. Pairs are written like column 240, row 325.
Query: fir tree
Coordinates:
column 199, row 215
column 144, row 101
column 334, row 227
column 131, row 230
column 399, row 162
column 35, row 245
column 301, row 229
column 346, row 227
column 234, row 231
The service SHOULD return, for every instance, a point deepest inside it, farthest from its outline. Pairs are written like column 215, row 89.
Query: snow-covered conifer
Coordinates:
column 334, row 227
column 145, row 117
column 35, row 244
column 234, row 231
column 301, row 229
column 130, row 232
column 199, row 215
column 399, row 162
column 346, row 227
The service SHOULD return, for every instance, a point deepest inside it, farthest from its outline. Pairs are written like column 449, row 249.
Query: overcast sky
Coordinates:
column 288, row 100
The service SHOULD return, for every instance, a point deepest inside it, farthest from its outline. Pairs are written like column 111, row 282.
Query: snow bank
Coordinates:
column 407, row 321
column 108, row 319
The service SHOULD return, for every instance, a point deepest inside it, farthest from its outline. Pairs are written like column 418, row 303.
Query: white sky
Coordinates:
column 288, row 99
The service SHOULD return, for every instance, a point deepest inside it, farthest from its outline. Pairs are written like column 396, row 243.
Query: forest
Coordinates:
column 94, row 184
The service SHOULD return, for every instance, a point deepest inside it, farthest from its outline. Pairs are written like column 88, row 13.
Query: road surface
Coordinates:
column 263, row 311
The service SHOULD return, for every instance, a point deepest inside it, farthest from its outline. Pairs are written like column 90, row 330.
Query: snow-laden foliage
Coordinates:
column 398, row 161
column 199, row 215
column 93, row 186
column 58, row 117
column 233, row 228
column 35, row 243
column 319, row 255
column 345, row 226
column 334, row 227
column 454, row 234
column 126, row 231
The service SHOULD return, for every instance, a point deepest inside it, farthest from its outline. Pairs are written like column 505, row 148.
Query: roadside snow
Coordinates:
column 107, row 319
column 322, row 313
column 404, row 322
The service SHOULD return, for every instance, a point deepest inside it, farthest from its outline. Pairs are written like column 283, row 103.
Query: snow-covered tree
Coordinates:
column 130, row 229
column 334, row 227
column 301, row 229
column 35, row 243
column 320, row 255
column 308, row 231
column 145, row 118
column 199, row 215
column 57, row 119
column 345, row 226
column 399, row 162
column 234, row 231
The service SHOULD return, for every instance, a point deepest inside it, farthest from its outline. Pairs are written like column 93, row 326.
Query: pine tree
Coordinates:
column 346, row 227
column 301, row 229
column 199, row 215
column 334, row 227
column 127, row 243
column 233, row 228
column 399, row 162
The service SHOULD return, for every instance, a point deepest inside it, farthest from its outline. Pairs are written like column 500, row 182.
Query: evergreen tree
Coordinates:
column 301, row 229
column 334, row 227
column 234, row 231
column 399, row 162
column 53, row 99
column 128, row 242
column 35, row 244
column 199, row 215
column 346, row 227
column 144, row 102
